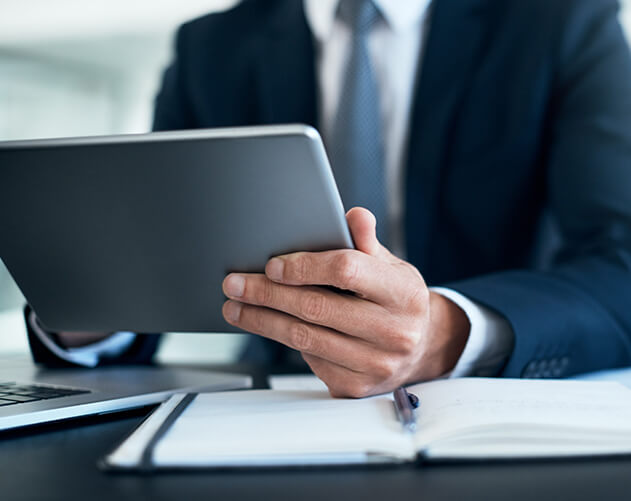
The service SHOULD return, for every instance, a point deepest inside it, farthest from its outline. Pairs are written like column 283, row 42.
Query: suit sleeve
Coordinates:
column 140, row 351
column 576, row 316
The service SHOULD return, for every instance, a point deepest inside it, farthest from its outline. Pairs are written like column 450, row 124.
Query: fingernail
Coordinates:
column 275, row 268
column 234, row 286
column 232, row 311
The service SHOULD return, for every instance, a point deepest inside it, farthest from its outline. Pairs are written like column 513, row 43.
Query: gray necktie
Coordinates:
column 356, row 144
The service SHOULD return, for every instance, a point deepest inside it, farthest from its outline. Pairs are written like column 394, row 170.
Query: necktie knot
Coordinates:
column 358, row 15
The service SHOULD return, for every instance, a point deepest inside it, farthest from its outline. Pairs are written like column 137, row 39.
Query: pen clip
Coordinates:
column 414, row 400
column 404, row 405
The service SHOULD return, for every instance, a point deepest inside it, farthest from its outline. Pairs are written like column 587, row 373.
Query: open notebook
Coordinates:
column 471, row 418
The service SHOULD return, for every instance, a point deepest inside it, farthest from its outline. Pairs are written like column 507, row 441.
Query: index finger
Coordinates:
column 346, row 269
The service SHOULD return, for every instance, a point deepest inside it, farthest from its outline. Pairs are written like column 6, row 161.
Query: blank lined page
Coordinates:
column 520, row 417
column 282, row 427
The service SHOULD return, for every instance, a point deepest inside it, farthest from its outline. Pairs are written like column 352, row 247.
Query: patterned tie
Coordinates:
column 356, row 145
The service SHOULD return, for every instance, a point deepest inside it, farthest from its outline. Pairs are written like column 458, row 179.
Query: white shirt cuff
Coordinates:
column 490, row 342
column 89, row 355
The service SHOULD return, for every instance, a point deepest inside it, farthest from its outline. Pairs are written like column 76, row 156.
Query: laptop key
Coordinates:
column 24, row 393
column 18, row 398
column 44, row 396
column 69, row 393
column 6, row 402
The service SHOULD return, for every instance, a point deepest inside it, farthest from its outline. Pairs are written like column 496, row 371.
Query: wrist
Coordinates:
column 447, row 335
column 79, row 339
column 450, row 326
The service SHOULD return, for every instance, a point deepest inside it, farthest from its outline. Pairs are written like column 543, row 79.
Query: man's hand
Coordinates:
column 390, row 332
column 80, row 339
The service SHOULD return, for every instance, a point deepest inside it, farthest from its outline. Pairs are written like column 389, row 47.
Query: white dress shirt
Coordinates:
column 89, row 355
column 395, row 45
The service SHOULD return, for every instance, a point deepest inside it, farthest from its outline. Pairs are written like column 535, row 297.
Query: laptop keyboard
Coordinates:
column 12, row 393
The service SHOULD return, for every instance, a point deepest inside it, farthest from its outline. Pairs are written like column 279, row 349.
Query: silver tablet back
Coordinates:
column 137, row 232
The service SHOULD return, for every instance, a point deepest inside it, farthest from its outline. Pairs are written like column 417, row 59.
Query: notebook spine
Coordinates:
column 146, row 459
column 145, row 464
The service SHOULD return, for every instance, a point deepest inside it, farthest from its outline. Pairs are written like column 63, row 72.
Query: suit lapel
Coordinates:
column 452, row 49
column 285, row 69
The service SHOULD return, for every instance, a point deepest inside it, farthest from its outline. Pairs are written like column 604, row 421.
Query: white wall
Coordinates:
column 77, row 67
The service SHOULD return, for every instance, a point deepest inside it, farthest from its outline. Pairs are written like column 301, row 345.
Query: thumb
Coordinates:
column 363, row 226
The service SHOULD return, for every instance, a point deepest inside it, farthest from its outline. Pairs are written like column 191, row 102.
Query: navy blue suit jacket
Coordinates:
column 518, row 175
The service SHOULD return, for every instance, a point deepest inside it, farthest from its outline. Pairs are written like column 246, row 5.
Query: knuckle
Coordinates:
column 336, row 392
column 297, row 269
column 403, row 340
column 314, row 307
column 263, row 292
column 346, row 270
column 350, row 387
column 301, row 337
column 358, row 390
column 385, row 368
column 338, row 389
column 405, row 343
column 417, row 300
column 252, row 319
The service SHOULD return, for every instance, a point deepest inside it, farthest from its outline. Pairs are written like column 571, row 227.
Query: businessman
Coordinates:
column 491, row 142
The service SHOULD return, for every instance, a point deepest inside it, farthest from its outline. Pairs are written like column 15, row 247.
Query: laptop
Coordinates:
column 32, row 395
column 137, row 232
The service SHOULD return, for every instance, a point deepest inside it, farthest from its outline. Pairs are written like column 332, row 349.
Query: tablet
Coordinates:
column 137, row 232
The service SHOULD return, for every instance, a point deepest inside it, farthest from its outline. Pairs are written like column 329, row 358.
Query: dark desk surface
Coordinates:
column 58, row 461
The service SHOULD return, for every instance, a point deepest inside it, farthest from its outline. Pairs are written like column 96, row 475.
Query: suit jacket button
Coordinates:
column 529, row 370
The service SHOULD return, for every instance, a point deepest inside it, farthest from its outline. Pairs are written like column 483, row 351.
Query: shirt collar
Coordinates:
column 399, row 14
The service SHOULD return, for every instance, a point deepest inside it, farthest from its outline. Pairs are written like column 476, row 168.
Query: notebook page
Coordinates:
column 295, row 382
column 518, row 413
column 282, row 427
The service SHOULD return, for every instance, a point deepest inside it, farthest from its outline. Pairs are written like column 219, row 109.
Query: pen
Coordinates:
column 404, row 405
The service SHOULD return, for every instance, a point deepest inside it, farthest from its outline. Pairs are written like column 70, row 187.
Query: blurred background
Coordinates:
column 76, row 68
